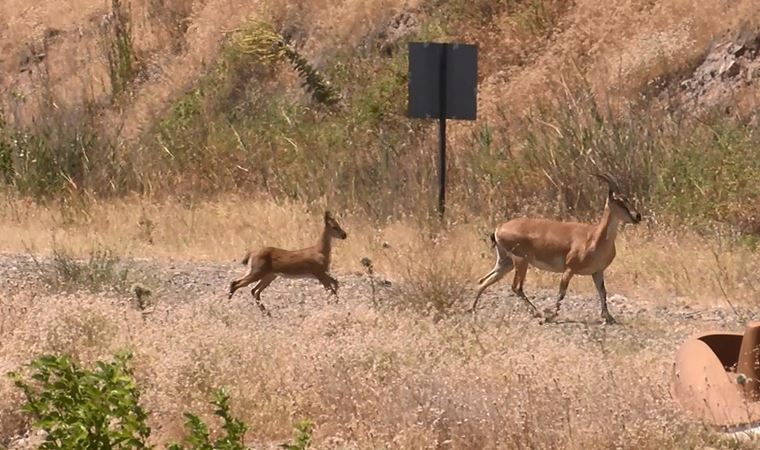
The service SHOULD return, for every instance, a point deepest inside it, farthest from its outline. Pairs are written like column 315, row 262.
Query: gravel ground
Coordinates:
column 188, row 281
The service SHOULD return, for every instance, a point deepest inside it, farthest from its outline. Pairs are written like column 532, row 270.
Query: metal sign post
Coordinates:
column 443, row 84
column 442, row 135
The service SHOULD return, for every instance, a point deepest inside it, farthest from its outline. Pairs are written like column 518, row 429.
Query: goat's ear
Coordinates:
column 328, row 216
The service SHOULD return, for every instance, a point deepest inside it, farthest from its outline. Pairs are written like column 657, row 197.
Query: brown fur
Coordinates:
column 568, row 248
column 268, row 263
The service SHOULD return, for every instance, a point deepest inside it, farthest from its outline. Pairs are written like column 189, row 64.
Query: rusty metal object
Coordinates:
column 748, row 361
column 716, row 377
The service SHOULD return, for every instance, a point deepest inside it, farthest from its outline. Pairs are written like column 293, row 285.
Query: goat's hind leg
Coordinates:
column 260, row 286
column 502, row 267
column 254, row 274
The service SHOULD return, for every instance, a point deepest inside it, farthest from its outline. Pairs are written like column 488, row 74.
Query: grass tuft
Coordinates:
column 101, row 271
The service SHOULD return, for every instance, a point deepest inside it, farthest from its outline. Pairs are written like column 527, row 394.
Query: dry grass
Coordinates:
column 374, row 377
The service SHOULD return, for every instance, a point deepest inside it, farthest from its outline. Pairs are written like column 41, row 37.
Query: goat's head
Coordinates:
column 619, row 203
column 334, row 227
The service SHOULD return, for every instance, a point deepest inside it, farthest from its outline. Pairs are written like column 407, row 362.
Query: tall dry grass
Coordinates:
column 412, row 370
column 371, row 378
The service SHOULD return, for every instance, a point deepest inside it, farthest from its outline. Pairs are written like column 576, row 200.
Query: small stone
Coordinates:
column 730, row 69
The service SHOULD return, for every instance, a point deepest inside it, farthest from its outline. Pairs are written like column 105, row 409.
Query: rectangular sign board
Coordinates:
column 430, row 64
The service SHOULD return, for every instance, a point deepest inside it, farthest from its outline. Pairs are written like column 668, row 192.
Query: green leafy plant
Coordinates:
column 84, row 409
column 259, row 39
column 198, row 433
column 119, row 49
column 302, row 436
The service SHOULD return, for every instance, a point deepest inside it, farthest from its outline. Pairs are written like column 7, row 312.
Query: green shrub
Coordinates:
column 198, row 433
column 260, row 40
column 84, row 409
column 711, row 175
column 302, row 438
column 118, row 45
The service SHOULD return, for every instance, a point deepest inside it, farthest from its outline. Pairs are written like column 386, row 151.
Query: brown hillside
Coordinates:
column 618, row 45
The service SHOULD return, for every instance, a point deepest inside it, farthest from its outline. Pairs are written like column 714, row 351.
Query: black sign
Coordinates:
column 443, row 78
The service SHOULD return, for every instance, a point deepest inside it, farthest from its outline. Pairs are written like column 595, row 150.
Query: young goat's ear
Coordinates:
column 328, row 216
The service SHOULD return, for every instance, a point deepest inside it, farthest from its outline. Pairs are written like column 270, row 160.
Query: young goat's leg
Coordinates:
column 254, row 274
column 330, row 283
column 260, row 286
column 334, row 284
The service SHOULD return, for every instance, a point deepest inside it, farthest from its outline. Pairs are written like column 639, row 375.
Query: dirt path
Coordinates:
column 182, row 282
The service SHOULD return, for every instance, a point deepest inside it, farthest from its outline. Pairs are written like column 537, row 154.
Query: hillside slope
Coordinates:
column 167, row 100
column 618, row 45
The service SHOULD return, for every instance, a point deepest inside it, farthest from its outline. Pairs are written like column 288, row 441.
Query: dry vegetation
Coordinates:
column 145, row 139
column 495, row 380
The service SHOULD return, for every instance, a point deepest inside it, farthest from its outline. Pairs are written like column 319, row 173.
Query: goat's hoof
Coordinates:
column 549, row 315
column 609, row 320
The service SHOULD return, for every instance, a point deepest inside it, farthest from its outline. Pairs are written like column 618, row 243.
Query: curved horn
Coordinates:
column 608, row 179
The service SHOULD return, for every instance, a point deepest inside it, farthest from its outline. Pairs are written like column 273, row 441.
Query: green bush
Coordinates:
column 302, row 438
column 96, row 409
column 199, row 437
column 118, row 45
column 84, row 409
column 198, row 433
column 711, row 175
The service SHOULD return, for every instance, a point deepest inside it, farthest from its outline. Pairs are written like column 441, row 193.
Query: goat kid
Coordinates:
column 266, row 264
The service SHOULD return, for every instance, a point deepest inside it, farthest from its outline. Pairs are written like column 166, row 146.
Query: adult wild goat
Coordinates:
column 569, row 248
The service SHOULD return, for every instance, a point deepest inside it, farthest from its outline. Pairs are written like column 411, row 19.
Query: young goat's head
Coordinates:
column 334, row 227
column 619, row 203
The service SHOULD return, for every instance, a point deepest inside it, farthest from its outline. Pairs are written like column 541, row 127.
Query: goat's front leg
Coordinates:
column 564, row 282
column 330, row 283
column 599, row 283
column 334, row 284
column 521, row 269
